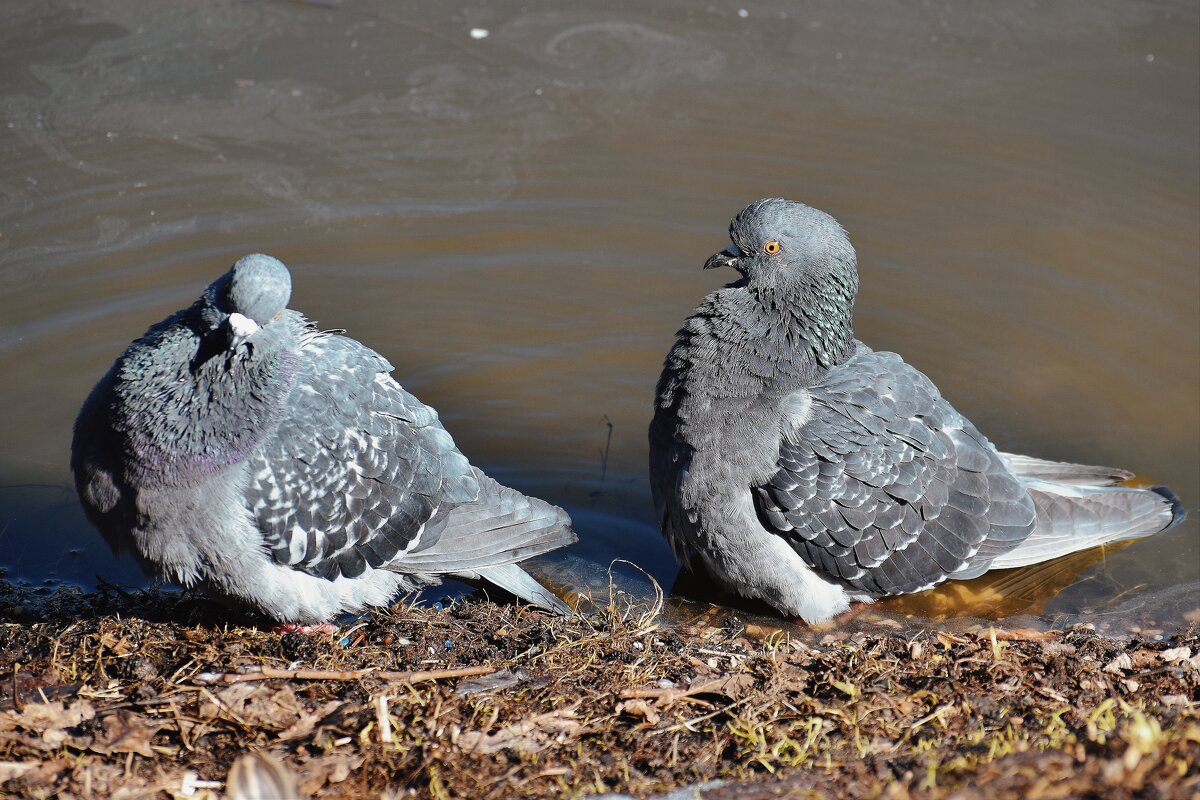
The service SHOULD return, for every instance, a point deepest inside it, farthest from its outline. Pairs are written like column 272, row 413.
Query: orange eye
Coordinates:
column 771, row 248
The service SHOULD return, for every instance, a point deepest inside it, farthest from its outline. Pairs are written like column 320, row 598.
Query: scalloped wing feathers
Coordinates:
column 886, row 487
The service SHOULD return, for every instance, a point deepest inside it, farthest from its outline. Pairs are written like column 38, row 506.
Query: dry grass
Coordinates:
column 136, row 696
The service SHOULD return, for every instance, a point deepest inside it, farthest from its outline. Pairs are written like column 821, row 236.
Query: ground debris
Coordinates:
column 483, row 701
column 526, row 736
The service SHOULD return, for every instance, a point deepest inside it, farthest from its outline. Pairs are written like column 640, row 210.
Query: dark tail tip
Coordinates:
column 1178, row 512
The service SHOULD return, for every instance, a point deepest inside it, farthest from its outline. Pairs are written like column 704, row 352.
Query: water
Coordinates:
column 518, row 223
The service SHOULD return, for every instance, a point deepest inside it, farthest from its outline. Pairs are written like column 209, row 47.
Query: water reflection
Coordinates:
column 518, row 222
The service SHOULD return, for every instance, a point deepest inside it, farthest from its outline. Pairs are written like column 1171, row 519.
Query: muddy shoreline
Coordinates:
column 147, row 694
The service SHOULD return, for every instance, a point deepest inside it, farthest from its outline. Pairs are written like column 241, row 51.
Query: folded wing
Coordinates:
column 886, row 487
column 359, row 472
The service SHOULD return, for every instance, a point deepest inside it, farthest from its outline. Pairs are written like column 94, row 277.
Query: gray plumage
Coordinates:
column 798, row 466
column 236, row 447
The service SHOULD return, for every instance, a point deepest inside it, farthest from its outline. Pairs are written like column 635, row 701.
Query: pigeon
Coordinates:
column 791, row 463
column 237, row 448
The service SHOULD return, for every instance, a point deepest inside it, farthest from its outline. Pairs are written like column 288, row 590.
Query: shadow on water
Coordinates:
column 45, row 539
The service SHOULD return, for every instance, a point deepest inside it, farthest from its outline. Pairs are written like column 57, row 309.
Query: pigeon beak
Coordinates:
column 241, row 328
column 726, row 258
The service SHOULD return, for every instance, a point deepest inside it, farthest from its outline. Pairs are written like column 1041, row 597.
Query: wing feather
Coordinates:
column 359, row 471
column 886, row 487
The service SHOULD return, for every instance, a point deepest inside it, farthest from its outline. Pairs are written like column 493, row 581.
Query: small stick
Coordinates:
column 106, row 585
column 655, row 693
column 607, row 447
column 268, row 673
column 651, row 693
column 385, row 722
column 20, row 708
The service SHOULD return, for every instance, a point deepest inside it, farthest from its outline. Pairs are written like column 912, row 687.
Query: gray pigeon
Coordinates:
column 236, row 447
column 794, row 464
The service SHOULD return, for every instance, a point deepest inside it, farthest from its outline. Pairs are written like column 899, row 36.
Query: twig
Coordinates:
column 20, row 708
column 269, row 673
column 673, row 692
column 720, row 653
column 384, row 721
column 687, row 724
column 106, row 585
column 179, row 724
column 938, row 714
column 607, row 446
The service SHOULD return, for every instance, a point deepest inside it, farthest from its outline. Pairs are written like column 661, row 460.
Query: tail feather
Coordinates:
column 1177, row 510
column 1088, row 513
column 501, row 528
column 1063, row 472
column 516, row 581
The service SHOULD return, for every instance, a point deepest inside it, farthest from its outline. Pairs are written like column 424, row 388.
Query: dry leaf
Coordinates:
column 761, row 633
column 17, row 775
column 1118, row 664
column 49, row 720
column 1023, row 635
column 126, row 732
column 527, row 736
column 948, row 639
column 304, row 726
column 15, row 769
column 332, row 768
column 254, row 704
column 639, row 708
column 1146, row 659
column 502, row 679
column 1176, row 654
column 732, row 686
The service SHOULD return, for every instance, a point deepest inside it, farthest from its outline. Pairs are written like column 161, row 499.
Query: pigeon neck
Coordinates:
column 742, row 345
column 817, row 322
column 184, row 420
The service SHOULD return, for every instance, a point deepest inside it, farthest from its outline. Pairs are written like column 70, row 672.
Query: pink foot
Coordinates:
column 327, row 628
column 856, row 608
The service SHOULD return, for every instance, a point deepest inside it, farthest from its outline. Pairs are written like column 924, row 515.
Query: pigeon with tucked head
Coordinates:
column 238, row 448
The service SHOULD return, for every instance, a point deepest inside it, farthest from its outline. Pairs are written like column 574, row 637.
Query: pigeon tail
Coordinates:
column 501, row 527
column 1063, row 472
column 516, row 581
column 1076, row 516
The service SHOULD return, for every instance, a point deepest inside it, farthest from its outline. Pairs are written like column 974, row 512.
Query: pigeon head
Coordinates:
column 798, row 265
column 787, row 246
column 257, row 287
column 251, row 295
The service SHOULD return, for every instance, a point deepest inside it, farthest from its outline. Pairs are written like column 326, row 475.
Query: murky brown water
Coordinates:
column 518, row 223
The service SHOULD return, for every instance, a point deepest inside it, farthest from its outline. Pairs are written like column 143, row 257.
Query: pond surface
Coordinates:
column 512, row 202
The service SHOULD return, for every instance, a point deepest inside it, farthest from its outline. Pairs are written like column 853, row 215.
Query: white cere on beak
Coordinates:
column 242, row 328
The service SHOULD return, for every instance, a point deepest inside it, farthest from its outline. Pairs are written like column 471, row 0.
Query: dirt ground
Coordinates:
column 148, row 694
